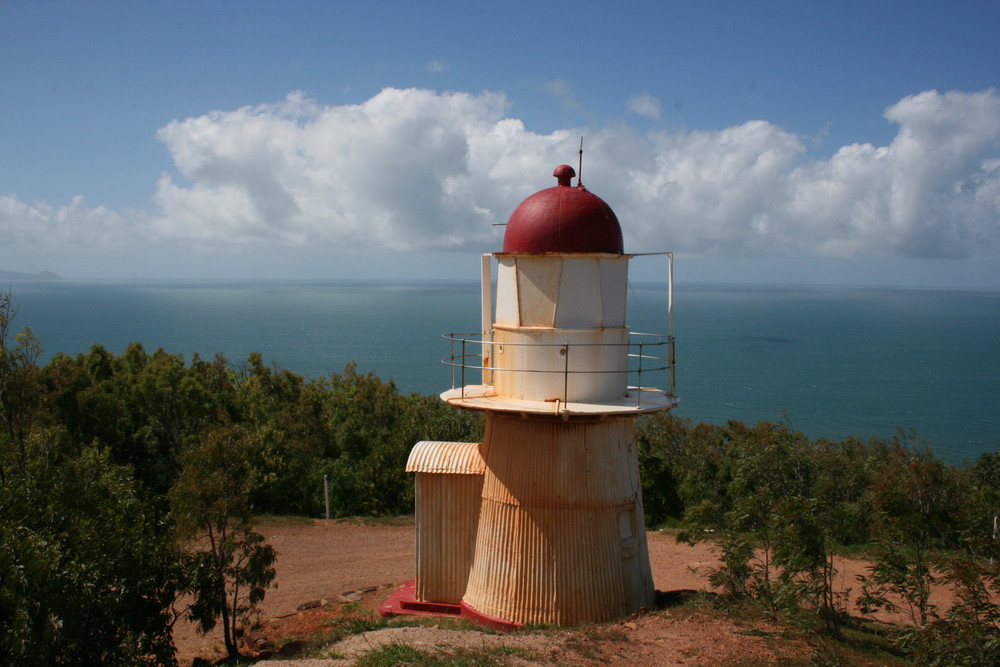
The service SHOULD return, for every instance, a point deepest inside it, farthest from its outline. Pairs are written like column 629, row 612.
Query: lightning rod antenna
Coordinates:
column 579, row 172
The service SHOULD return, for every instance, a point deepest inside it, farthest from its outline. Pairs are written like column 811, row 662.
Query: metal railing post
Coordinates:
column 670, row 365
column 638, row 380
column 566, row 376
column 451, row 358
column 463, row 369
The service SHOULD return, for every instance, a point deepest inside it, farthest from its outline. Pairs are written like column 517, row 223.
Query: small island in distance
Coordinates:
column 15, row 275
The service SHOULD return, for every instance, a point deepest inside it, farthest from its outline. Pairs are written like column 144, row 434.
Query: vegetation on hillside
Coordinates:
column 127, row 481
column 783, row 509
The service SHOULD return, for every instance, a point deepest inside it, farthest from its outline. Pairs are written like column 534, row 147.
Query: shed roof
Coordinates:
column 455, row 458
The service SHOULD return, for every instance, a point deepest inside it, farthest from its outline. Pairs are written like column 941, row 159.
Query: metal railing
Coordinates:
column 648, row 353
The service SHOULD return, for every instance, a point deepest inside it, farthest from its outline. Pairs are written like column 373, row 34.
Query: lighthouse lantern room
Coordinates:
column 542, row 522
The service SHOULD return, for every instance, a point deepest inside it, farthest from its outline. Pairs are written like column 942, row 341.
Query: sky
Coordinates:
column 795, row 142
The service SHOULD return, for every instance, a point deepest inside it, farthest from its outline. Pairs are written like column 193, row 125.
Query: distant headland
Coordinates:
column 15, row 275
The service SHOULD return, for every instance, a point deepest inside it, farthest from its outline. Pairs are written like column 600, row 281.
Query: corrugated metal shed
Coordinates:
column 456, row 458
column 448, row 491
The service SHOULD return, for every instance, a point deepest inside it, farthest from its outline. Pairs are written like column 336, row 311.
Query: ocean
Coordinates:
column 828, row 361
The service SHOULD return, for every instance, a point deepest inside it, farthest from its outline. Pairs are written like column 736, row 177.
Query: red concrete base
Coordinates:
column 479, row 618
column 403, row 601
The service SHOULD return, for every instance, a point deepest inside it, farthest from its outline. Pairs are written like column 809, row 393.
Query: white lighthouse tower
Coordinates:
column 543, row 522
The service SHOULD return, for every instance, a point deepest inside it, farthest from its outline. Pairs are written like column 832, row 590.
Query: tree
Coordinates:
column 287, row 414
column 662, row 442
column 771, row 543
column 229, row 565
column 969, row 631
column 915, row 500
column 18, row 384
column 88, row 569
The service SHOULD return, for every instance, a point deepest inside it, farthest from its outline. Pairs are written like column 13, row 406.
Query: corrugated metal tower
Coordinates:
column 542, row 522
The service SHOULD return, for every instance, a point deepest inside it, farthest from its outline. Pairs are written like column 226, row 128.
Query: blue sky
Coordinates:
column 848, row 142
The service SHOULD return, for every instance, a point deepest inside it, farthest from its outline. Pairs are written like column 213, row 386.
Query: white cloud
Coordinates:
column 644, row 104
column 416, row 169
column 41, row 224
column 438, row 66
column 932, row 192
column 405, row 169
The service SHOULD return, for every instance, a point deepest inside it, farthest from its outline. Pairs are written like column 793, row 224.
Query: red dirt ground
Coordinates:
column 325, row 559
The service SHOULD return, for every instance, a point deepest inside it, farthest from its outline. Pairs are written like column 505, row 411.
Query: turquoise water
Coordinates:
column 831, row 362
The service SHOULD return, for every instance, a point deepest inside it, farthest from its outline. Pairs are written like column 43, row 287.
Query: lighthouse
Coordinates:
column 542, row 522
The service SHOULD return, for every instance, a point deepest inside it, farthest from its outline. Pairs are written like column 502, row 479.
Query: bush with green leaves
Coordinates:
column 19, row 388
column 772, row 541
column 916, row 500
column 88, row 568
column 968, row 632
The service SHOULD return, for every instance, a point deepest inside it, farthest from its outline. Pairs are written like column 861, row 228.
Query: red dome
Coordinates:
column 563, row 219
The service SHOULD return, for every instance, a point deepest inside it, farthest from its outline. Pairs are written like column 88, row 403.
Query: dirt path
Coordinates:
column 328, row 558
column 318, row 561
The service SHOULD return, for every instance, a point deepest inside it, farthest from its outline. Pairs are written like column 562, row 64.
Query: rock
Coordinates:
column 312, row 604
column 255, row 641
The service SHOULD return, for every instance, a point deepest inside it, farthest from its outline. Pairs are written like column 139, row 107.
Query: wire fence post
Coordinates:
column 326, row 494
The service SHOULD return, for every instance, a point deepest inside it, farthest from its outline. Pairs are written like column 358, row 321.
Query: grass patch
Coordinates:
column 606, row 633
column 353, row 608
column 585, row 648
column 443, row 623
column 395, row 654
column 858, row 646
column 587, row 641
column 357, row 626
column 403, row 654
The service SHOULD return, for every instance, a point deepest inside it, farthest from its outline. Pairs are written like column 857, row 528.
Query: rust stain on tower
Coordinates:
column 543, row 522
